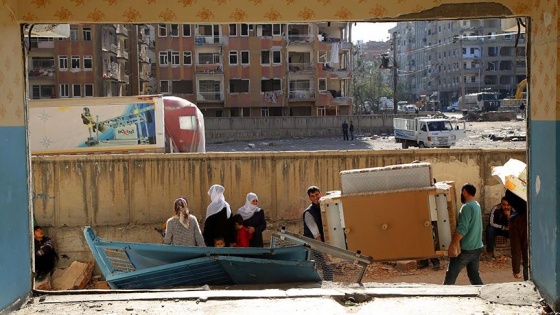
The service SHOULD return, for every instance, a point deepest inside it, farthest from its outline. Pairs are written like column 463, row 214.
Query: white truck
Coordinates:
column 427, row 132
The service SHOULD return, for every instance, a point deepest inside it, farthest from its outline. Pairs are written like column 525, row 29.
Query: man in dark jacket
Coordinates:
column 518, row 236
column 313, row 228
column 45, row 254
column 345, row 130
column 497, row 225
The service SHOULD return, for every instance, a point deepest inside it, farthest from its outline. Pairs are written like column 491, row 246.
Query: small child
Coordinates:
column 243, row 234
column 45, row 254
column 219, row 242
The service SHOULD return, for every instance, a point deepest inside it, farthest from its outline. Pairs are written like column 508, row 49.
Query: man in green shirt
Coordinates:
column 466, row 246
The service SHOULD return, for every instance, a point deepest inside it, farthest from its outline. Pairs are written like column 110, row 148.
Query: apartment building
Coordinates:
column 96, row 60
column 444, row 59
column 241, row 70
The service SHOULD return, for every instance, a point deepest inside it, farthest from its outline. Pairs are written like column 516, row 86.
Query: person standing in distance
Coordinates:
column 351, row 128
column 344, row 130
column 466, row 246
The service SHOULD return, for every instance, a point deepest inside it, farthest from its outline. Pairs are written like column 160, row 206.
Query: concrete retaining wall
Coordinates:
column 224, row 129
column 124, row 197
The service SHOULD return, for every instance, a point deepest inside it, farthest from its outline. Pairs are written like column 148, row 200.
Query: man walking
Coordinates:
column 313, row 228
column 466, row 245
column 344, row 130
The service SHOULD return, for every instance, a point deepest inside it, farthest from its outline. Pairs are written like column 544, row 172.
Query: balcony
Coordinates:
column 121, row 30
column 215, row 68
column 41, row 44
column 210, row 97
column 110, row 48
column 300, row 67
column 111, row 71
column 49, row 72
column 301, row 95
column 144, row 77
column 122, row 54
column 208, row 40
column 300, row 39
column 125, row 79
column 143, row 58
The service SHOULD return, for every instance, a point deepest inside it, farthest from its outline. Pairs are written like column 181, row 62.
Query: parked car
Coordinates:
column 410, row 108
column 453, row 107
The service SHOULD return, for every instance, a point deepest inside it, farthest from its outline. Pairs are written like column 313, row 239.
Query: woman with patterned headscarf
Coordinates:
column 253, row 218
column 217, row 223
column 182, row 228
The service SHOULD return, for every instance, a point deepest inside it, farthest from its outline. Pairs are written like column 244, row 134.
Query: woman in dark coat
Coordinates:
column 217, row 223
column 253, row 218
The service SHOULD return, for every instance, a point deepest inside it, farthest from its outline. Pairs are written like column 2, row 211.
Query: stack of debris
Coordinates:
column 75, row 277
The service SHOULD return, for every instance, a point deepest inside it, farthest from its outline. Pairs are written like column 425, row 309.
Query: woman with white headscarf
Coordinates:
column 182, row 228
column 217, row 223
column 253, row 218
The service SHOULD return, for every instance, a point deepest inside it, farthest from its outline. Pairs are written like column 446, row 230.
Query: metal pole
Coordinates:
column 462, row 72
column 395, row 73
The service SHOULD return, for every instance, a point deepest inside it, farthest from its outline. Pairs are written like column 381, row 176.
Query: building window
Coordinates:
column 163, row 58
column 265, row 112
column 88, row 63
column 76, row 90
column 238, row 86
column 73, row 34
column 244, row 57
column 266, row 30
column 208, row 58
column 175, row 58
column 162, row 30
column 265, row 57
column 270, row 85
column 276, row 57
column 75, row 62
column 63, row 90
column 233, row 57
column 187, row 58
column 233, row 30
column 86, row 33
column 322, row 85
column 321, row 111
column 210, row 90
column 174, row 30
column 42, row 91
column 244, row 29
column 62, row 63
column 276, row 29
column 182, row 87
column 88, row 90
column 164, row 86
column 186, row 30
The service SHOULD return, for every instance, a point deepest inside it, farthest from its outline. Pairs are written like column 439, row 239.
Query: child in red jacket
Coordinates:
column 243, row 234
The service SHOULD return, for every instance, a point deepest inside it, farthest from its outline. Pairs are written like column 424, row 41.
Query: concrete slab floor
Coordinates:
column 330, row 298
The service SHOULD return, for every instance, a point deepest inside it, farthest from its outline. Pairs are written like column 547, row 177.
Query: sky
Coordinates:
column 371, row 31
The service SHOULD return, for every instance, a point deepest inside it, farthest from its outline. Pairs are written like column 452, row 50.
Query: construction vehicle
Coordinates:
column 426, row 132
column 479, row 102
column 519, row 100
column 147, row 123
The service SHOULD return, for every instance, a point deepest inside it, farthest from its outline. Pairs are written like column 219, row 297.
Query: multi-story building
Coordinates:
column 444, row 59
column 93, row 61
column 239, row 70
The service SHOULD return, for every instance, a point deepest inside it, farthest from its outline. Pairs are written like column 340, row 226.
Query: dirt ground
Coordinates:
column 495, row 271
column 480, row 135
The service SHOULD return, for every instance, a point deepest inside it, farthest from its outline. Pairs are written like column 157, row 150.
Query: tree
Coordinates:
column 369, row 83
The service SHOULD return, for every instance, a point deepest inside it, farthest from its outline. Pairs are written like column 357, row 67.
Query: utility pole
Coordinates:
column 395, row 73
column 460, row 37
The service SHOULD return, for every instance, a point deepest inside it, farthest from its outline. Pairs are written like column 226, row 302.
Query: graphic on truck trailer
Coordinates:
column 96, row 125
column 135, row 126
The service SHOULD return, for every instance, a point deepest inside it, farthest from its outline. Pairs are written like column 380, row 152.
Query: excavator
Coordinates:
column 519, row 101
